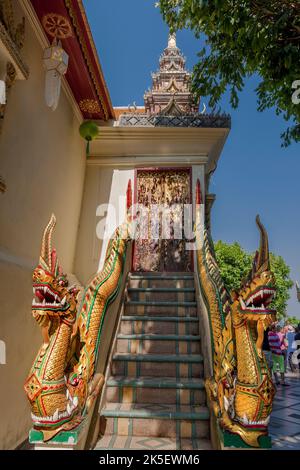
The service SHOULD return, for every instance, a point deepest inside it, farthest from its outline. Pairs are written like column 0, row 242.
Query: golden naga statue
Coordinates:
column 241, row 390
column 62, row 385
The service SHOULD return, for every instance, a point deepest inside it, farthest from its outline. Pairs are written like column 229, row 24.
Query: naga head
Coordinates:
column 253, row 300
column 52, row 294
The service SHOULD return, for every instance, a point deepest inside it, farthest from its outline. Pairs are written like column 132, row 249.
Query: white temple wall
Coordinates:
column 103, row 210
column 42, row 159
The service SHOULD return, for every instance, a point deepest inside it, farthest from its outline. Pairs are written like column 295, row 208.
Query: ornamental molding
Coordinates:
column 12, row 38
column 57, row 26
column 83, row 45
column 89, row 106
column 222, row 121
column 12, row 50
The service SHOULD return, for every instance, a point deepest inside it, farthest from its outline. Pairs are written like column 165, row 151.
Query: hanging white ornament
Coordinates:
column 56, row 62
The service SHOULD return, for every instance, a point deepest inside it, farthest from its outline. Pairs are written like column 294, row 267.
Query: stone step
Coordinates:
column 156, row 420
column 161, row 280
column 115, row 442
column 162, row 294
column 157, row 365
column 165, row 390
column 161, row 275
column 187, row 309
column 165, row 325
column 163, row 344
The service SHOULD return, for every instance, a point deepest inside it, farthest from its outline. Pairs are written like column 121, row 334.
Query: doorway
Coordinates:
column 162, row 196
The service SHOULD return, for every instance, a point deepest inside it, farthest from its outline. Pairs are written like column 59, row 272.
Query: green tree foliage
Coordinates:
column 243, row 38
column 235, row 264
column 294, row 321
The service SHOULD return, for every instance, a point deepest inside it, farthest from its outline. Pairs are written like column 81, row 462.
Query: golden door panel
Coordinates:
column 160, row 242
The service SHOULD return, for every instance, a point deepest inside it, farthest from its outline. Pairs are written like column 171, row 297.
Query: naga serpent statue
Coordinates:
column 62, row 384
column 241, row 390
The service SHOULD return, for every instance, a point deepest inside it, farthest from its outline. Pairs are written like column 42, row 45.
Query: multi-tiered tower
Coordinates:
column 171, row 91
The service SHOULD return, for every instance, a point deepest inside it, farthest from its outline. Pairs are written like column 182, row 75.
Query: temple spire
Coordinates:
column 171, row 85
column 172, row 41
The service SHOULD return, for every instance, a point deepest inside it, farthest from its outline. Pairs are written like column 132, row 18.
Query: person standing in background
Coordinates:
column 277, row 355
column 266, row 349
column 290, row 336
column 297, row 345
column 283, row 343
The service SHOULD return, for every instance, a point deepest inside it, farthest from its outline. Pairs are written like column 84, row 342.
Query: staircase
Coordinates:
column 155, row 396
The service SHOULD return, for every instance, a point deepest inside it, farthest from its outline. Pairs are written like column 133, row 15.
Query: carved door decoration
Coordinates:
column 160, row 244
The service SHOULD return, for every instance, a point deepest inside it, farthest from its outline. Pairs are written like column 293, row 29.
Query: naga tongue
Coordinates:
column 39, row 295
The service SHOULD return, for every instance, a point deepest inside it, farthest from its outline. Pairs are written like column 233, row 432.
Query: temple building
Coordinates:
column 116, row 329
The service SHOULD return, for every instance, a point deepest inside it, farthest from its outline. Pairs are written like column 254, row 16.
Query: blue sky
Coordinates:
column 255, row 175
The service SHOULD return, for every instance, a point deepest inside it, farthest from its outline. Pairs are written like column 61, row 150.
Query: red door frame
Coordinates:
column 135, row 196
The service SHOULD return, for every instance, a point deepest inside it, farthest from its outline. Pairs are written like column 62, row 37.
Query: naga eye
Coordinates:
column 265, row 276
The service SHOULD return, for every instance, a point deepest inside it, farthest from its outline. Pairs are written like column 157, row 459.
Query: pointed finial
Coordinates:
column 172, row 40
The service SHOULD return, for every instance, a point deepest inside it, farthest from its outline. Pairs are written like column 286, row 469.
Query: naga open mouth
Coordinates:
column 47, row 299
column 259, row 301
column 59, row 416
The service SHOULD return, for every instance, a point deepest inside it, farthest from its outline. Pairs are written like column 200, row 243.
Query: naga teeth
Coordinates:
column 55, row 416
column 245, row 419
column 63, row 301
column 248, row 422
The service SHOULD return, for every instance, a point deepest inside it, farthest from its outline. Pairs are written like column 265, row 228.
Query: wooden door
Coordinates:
column 160, row 243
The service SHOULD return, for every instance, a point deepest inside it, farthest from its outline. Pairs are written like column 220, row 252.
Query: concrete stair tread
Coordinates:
column 159, row 318
column 155, row 382
column 155, row 411
column 150, row 275
column 158, row 337
column 116, row 442
column 161, row 289
column 158, row 303
column 184, row 358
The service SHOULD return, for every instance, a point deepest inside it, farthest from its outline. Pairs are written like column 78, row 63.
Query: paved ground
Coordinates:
column 285, row 420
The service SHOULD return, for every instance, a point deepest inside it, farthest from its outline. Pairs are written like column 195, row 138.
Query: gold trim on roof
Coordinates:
column 82, row 41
